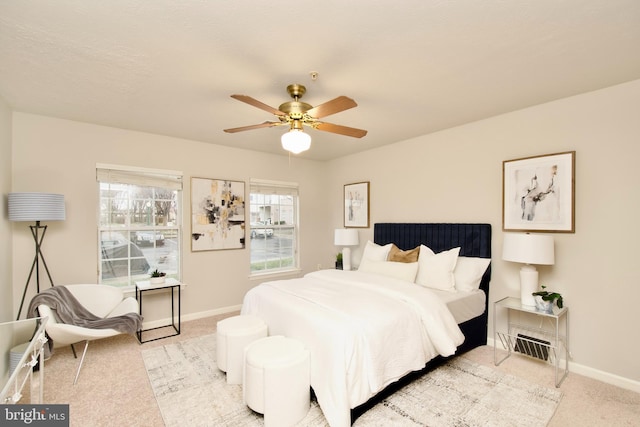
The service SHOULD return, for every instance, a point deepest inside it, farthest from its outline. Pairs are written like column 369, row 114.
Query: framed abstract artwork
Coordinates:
column 356, row 205
column 538, row 193
column 217, row 214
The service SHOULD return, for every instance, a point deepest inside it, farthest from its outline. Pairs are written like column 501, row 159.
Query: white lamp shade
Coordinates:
column 296, row 141
column 346, row 237
column 36, row 207
column 528, row 248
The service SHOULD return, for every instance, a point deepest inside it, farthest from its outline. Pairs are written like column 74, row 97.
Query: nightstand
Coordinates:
column 514, row 326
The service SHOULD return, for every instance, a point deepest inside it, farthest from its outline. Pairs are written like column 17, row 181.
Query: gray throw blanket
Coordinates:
column 69, row 310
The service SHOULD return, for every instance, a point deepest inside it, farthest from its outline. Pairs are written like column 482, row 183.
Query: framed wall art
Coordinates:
column 538, row 193
column 217, row 214
column 356, row 205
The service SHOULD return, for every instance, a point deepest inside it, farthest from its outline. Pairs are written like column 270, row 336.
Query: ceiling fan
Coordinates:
column 296, row 114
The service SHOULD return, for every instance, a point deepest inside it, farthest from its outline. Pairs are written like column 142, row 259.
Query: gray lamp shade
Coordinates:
column 36, row 207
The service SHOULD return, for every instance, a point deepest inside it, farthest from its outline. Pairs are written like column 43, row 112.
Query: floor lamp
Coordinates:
column 36, row 207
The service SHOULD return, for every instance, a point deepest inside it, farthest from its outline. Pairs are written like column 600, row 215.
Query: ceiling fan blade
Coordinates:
column 342, row 130
column 251, row 127
column 261, row 105
column 337, row 105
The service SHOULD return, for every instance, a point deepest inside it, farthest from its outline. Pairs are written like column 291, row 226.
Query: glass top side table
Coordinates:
column 549, row 341
column 170, row 285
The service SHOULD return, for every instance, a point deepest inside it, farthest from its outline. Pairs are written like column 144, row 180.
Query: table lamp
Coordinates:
column 346, row 237
column 531, row 250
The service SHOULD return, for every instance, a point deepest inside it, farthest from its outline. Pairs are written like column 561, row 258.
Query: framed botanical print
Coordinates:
column 356, row 205
column 217, row 214
column 538, row 193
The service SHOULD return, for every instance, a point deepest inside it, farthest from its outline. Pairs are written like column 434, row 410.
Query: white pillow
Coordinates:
column 468, row 272
column 374, row 252
column 398, row 270
column 436, row 270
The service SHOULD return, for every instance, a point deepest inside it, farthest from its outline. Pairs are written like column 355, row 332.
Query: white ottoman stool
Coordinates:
column 276, row 380
column 232, row 336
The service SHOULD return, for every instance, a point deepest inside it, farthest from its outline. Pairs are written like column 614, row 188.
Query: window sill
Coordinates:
column 275, row 274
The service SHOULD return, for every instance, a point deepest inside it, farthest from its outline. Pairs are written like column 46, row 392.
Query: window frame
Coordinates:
column 140, row 177
column 278, row 188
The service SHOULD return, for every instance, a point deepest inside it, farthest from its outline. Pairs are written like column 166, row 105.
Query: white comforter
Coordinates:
column 363, row 331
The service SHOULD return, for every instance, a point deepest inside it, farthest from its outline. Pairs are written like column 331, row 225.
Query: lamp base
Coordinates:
column 528, row 284
column 346, row 259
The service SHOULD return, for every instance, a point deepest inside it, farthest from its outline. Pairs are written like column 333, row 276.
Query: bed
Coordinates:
column 367, row 332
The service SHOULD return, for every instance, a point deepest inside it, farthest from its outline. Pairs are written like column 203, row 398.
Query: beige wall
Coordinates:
column 452, row 176
column 456, row 176
column 6, row 290
column 60, row 156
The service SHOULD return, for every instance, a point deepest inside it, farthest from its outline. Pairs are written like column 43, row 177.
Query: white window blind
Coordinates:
column 274, row 187
column 139, row 176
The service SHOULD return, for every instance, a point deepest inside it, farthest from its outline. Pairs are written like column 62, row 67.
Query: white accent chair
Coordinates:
column 277, row 380
column 101, row 300
column 233, row 334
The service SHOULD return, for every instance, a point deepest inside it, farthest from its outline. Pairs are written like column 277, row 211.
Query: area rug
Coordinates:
column 191, row 391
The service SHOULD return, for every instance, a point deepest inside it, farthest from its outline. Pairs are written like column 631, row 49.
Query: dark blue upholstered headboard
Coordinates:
column 474, row 240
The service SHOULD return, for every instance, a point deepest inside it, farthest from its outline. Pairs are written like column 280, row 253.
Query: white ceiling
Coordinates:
column 414, row 67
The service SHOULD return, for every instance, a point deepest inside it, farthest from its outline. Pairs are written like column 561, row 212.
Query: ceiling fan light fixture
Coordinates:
column 296, row 141
column 297, row 113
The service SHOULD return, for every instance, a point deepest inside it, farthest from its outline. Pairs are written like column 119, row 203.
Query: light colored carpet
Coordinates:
column 190, row 390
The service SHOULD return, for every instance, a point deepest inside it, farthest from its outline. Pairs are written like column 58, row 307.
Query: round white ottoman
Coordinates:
column 232, row 336
column 276, row 380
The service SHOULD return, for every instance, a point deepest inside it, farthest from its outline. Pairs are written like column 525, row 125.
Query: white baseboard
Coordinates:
column 605, row 377
column 209, row 313
column 193, row 316
column 596, row 374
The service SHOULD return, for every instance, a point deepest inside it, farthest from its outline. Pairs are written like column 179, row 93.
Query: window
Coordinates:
column 273, row 210
column 139, row 228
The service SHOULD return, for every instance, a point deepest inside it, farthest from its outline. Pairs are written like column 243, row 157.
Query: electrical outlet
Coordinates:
column 319, row 266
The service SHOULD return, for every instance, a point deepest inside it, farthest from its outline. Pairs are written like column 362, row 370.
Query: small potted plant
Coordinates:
column 339, row 261
column 545, row 300
column 157, row 277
